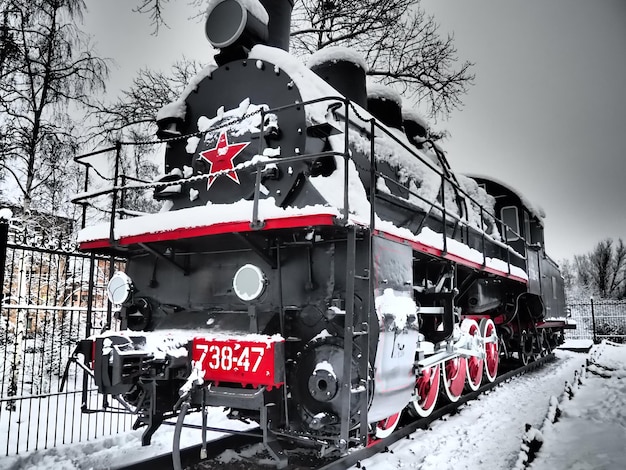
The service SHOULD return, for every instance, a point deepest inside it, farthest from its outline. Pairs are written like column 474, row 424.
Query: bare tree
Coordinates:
column 400, row 42
column 132, row 119
column 603, row 270
column 568, row 273
column 155, row 9
column 135, row 111
column 47, row 71
column 583, row 271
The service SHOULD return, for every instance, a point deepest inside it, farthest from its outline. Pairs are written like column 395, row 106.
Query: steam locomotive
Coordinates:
column 316, row 267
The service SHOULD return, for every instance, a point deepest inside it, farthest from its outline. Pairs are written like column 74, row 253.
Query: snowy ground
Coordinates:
column 591, row 433
column 486, row 434
column 113, row 452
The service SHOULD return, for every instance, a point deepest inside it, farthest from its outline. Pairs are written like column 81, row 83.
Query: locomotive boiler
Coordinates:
column 316, row 267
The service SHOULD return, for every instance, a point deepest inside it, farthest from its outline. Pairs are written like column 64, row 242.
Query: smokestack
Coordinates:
column 385, row 104
column 344, row 70
column 415, row 127
column 279, row 12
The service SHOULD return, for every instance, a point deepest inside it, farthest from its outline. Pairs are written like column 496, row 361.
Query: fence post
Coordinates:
column 4, row 238
column 593, row 322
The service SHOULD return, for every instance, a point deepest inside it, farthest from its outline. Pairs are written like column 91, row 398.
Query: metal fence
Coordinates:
column 599, row 319
column 46, row 307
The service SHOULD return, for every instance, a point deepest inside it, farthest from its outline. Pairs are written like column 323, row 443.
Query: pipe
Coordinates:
column 177, row 430
column 279, row 12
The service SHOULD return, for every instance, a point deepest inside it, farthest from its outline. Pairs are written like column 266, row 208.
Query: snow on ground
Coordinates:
column 591, row 432
column 486, row 434
column 578, row 345
column 116, row 451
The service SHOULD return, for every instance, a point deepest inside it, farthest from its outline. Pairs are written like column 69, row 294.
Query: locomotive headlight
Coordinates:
column 236, row 22
column 249, row 282
column 119, row 288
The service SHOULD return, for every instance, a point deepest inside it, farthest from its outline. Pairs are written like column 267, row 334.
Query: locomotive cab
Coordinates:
column 544, row 298
column 522, row 229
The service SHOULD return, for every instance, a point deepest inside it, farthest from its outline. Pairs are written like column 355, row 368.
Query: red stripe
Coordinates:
column 94, row 245
column 281, row 223
column 298, row 221
column 419, row 246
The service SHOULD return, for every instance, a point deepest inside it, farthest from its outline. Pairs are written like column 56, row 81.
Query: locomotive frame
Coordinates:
column 339, row 311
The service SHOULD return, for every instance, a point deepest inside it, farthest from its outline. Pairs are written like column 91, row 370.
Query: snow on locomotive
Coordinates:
column 317, row 267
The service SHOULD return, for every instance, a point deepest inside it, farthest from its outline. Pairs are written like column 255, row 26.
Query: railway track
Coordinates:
column 247, row 450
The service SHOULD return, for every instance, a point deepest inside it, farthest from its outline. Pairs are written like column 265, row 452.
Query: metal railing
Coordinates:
column 346, row 110
column 598, row 319
column 46, row 308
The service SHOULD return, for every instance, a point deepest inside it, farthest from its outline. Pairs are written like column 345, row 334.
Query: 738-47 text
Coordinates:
column 228, row 357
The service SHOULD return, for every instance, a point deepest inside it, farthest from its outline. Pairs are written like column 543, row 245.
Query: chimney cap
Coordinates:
column 336, row 54
column 377, row 91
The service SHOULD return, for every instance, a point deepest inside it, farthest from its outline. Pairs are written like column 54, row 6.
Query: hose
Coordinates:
column 177, row 430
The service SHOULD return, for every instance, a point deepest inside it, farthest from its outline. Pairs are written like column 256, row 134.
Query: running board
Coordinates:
column 444, row 356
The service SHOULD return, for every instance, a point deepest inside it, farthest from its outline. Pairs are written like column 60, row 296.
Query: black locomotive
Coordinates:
column 317, row 267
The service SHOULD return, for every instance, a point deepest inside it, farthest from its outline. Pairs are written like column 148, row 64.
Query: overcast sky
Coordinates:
column 547, row 113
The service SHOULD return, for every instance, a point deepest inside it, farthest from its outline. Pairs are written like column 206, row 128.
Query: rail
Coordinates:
column 190, row 457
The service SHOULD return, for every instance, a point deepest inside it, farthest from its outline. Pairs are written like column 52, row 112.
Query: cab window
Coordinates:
column 527, row 232
column 510, row 219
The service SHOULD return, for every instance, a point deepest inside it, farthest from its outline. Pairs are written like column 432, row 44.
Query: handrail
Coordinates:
column 442, row 174
column 78, row 198
column 458, row 219
column 370, row 126
column 79, row 158
column 346, row 167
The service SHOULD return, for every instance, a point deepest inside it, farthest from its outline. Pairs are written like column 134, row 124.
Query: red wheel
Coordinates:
column 474, row 364
column 426, row 391
column 453, row 378
column 492, row 351
column 385, row 427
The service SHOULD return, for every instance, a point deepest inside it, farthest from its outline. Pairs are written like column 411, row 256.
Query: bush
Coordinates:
column 611, row 331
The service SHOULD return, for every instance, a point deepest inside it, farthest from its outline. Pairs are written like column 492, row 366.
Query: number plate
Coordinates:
column 241, row 361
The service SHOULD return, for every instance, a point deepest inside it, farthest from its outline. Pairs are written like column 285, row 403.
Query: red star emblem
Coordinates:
column 221, row 158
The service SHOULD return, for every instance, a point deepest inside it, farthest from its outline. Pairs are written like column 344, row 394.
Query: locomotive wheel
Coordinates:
column 526, row 348
column 492, row 351
column 385, row 427
column 525, row 358
column 475, row 364
column 545, row 344
column 552, row 340
column 453, row 378
column 426, row 392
